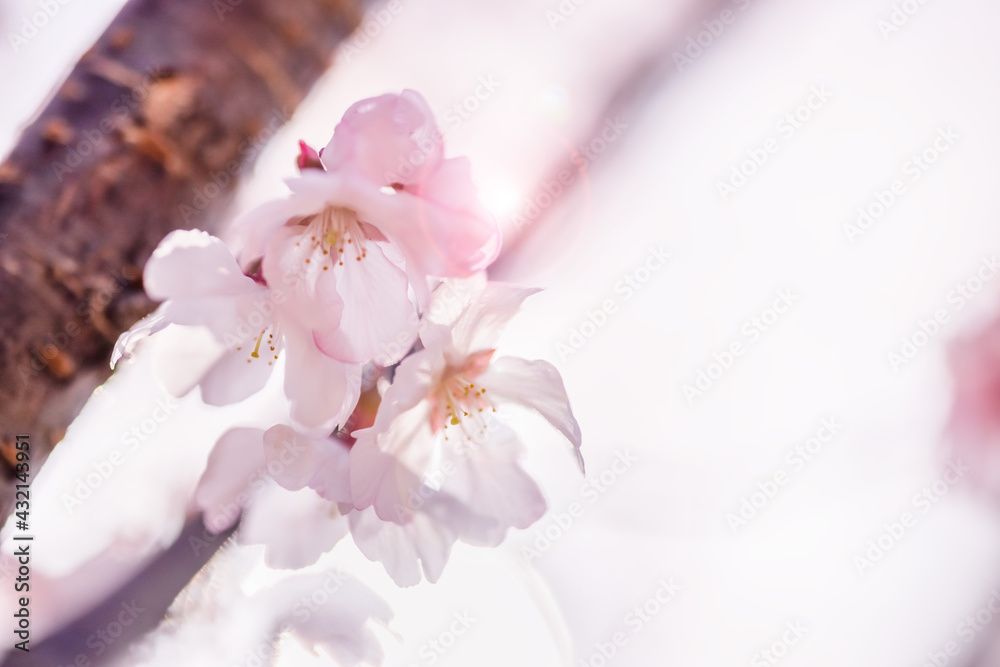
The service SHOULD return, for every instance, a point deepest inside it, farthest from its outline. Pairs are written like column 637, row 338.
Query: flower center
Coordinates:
column 463, row 409
column 269, row 344
column 334, row 235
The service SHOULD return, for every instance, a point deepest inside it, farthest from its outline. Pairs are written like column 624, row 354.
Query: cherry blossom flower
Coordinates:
column 267, row 474
column 387, row 212
column 441, row 402
column 251, row 326
column 304, row 508
column 437, row 466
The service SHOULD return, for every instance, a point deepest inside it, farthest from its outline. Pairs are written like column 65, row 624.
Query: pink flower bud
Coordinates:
column 308, row 158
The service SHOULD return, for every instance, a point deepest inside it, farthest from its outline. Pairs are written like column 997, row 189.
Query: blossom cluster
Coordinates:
column 363, row 296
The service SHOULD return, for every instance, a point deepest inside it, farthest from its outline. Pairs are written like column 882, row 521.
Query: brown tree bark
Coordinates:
column 148, row 134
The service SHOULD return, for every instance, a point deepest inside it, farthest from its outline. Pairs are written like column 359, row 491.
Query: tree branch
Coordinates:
column 147, row 135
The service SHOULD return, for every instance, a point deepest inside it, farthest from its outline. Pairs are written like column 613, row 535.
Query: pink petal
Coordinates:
column 306, row 292
column 436, row 240
column 190, row 264
column 413, row 381
column 449, row 192
column 322, row 391
column 390, row 480
column 379, row 321
column 387, row 139
column 290, row 457
column 388, row 458
column 252, row 231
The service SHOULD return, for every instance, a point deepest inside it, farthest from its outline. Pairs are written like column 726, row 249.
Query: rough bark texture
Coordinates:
column 148, row 134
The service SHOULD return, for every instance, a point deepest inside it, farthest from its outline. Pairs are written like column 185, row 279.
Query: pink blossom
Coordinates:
column 436, row 448
column 251, row 327
column 297, row 525
column 388, row 212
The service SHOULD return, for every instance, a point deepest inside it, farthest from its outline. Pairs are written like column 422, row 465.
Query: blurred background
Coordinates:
column 759, row 224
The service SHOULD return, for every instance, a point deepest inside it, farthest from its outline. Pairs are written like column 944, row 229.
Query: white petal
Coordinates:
column 144, row 328
column 332, row 476
column 236, row 376
column 483, row 321
column 421, row 545
column 232, row 465
column 487, row 479
column 341, row 624
column 412, row 382
column 184, row 355
column 296, row 527
column 536, row 385
column 290, row 457
column 383, row 480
